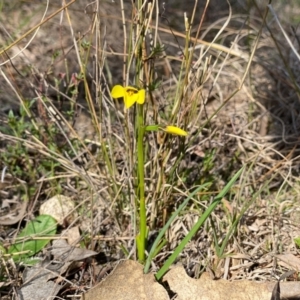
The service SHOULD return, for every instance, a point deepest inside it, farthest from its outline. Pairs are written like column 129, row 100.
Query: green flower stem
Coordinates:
column 141, row 238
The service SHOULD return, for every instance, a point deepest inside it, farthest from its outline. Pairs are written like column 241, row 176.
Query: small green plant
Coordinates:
column 131, row 96
column 297, row 241
column 195, row 228
column 144, row 79
column 32, row 239
column 23, row 161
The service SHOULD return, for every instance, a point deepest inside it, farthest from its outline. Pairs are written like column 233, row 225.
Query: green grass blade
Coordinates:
column 164, row 229
column 196, row 227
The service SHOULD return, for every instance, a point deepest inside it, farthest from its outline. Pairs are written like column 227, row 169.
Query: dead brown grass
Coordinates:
column 258, row 126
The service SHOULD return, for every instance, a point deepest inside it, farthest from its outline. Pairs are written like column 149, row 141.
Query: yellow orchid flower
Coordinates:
column 175, row 130
column 129, row 94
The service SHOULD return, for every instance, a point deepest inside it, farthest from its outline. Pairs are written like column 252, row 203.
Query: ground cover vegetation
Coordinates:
column 166, row 134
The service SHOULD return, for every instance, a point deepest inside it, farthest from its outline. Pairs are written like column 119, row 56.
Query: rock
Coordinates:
column 61, row 208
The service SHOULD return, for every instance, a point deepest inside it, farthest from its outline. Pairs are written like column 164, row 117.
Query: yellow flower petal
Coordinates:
column 175, row 130
column 118, row 91
column 129, row 94
column 130, row 89
column 142, row 95
column 130, row 99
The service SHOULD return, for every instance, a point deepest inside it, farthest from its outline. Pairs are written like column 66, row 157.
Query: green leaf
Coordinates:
column 297, row 241
column 196, row 227
column 29, row 241
column 159, row 240
column 152, row 128
column 31, row 261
